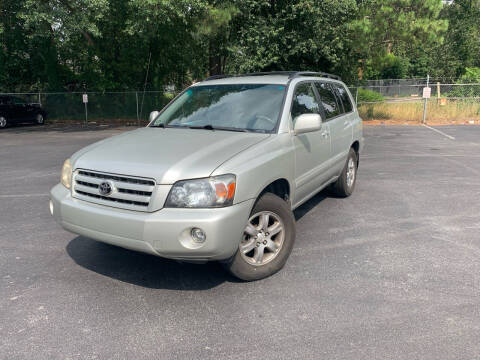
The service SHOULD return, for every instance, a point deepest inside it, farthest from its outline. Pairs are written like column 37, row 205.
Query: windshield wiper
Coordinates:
column 204, row 127
column 223, row 128
column 161, row 125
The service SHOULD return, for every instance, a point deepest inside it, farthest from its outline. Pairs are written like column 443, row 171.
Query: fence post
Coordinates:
column 356, row 97
column 138, row 118
column 425, row 104
column 438, row 90
column 39, row 99
column 85, row 101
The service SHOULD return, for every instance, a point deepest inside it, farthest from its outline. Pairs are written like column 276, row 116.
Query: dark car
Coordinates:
column 14, row 110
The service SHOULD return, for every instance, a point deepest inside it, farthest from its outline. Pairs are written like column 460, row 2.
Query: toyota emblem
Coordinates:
column 105, row 188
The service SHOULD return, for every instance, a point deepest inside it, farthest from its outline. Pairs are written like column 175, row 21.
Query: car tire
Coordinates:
column 3, row 122
column 40, row 119
column 345, row 184
column 267, row 241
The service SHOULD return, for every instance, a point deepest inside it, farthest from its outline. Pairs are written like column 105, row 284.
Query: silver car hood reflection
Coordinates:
column 166, row 155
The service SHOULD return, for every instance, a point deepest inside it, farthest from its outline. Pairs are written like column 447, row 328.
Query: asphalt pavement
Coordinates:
column 390, row 273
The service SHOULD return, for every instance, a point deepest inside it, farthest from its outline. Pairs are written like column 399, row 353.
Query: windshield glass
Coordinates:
column 252, row 107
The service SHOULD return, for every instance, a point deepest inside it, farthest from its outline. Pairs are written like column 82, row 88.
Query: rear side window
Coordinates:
column 329, row 101
column 304, row 101
column 343, row 94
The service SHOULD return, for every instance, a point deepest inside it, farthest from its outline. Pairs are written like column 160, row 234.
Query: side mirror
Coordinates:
column 153, row 115
column 307, row 123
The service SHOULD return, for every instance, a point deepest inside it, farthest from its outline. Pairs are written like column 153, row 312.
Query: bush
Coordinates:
column 365, row 95
column 472, row 75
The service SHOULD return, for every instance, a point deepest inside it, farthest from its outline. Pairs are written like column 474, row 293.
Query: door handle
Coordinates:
column 325, row 133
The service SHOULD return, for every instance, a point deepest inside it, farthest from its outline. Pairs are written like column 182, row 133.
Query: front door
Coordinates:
column 19, row 110
column 312, row 150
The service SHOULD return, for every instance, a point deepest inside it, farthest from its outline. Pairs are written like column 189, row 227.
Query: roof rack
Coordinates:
column 312, row 73
column 290, row 74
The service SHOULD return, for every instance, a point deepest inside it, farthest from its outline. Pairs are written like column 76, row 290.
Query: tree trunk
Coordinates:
column 214, row 60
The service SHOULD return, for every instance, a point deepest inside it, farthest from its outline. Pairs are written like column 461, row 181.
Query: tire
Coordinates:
column 40, row 119
column 344, row 185
column 3, row 122
column 258, row 240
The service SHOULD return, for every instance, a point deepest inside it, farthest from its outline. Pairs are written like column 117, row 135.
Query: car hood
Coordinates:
column 166, row 155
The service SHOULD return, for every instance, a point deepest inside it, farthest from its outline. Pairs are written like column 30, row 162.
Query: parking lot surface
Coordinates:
column 390, row 273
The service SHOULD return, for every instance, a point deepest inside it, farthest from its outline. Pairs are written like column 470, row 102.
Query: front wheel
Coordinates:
column 267, row 240
column 345, row 184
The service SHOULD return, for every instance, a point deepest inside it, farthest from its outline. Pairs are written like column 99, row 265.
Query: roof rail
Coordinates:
column 313, row 73
column 290, row 74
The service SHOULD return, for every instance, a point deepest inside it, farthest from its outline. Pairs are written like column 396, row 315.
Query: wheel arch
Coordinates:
column 356, row 147
column 280, row 187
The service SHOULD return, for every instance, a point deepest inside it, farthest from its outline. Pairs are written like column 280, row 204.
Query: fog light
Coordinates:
column 51, row 207
column 198, row 235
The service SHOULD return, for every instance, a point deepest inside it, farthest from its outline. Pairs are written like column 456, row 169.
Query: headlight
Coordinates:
column 217, row 191
column 66, row 179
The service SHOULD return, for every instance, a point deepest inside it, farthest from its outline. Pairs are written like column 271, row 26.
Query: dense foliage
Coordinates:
column 63, row 45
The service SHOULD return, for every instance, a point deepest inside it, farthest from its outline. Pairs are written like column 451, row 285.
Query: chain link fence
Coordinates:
column 398, row 102
column 109, row 108
column 403, row 103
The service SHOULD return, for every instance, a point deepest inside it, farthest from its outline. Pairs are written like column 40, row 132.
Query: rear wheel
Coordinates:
column 40, row 120
column 267, row 240
column 3, row 122
column 345, row 184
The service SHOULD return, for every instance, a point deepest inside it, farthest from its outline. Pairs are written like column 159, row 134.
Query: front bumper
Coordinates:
column 164, row 233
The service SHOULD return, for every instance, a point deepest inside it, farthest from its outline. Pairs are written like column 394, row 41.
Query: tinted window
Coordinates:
column 329, row 101
column 254, row 107
column 6, row 100
column 342, row 93
column 304, row 101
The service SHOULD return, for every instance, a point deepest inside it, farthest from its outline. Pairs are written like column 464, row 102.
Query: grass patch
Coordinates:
column 453, row 111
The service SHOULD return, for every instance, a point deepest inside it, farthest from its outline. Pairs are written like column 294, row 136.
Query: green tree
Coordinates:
column 462, row 42
column 291, row 35
column 385, row 26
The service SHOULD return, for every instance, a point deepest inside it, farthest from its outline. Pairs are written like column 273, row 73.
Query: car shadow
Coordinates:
column 155, row 272
column 143, row 269
column 303, row 209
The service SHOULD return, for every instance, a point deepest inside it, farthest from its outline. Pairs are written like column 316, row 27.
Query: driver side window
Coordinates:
column 304, row 101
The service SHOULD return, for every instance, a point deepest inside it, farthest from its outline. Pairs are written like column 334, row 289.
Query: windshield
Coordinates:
column 253, row 107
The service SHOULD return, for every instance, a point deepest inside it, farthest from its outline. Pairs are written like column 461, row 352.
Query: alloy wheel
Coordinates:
column 351, row 168
column 263, row 238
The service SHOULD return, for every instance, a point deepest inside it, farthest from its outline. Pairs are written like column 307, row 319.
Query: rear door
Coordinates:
column 340, row 118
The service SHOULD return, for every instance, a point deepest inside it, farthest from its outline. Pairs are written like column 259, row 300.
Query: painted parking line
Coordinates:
column 23, row 195
column 440, row 132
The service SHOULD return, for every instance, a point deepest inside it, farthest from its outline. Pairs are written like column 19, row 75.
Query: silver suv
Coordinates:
column 217, row 173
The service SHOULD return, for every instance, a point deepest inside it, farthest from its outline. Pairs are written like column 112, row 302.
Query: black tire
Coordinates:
column 3, row 122
column 40, row 119
column 341, row 188
column 240, row 268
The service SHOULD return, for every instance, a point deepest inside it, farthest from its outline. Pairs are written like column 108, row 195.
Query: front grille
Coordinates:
column 129, row 192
